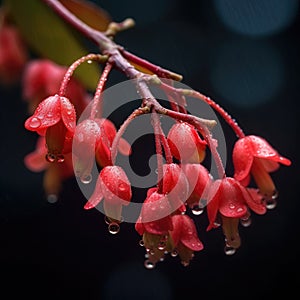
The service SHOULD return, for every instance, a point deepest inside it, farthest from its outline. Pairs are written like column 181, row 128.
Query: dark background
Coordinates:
column 249, row 64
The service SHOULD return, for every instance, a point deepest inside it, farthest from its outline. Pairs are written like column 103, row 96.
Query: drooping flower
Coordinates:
column 55, row 117
column 54, row 174
column 175, row 185
column 13, row 54
column 43, row 77
column 199, row 181
column 185, row 239
column 253, row 155
column 229, row 200
column 154, row 224
column 86, row 137
column 185, row 143
column 114, row 188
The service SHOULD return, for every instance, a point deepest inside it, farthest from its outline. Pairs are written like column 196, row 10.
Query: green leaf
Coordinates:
column 50, row 37
column 89, row 13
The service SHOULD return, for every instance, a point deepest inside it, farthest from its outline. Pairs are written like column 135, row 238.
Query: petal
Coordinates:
column 139, row 227
column 124, row 147
column 35, row 162
column 213, row 203
column 232, row 204
column 254, row 200
column 185, row 231
column 262, row 149
column 242, row 158
column 47, row 114
column 96, row 197
column 68, row 113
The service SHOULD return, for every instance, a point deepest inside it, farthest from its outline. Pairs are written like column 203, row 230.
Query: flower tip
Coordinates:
column 285, row 161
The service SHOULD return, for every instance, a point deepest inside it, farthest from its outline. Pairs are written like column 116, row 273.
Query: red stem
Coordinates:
column 99, row 89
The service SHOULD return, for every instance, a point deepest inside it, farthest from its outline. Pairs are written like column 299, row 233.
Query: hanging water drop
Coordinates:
column 52, row 198
column 149, row 264
column 86, row 179
column 197, row 210
column 113, row 228
column 51, row 158
column 161, row 245
column 229, row 250
column 185, row 263
column 35, row 123
column 246, row 221
column 174, row 253
column 271, row 203
column 141, row 243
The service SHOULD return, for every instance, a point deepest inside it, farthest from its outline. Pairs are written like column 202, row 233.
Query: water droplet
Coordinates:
column 229, row 250
column 156, row 171
column 60, row 158
column 122, row 187
column 149, row 264
column 141, row 243
column 69, row 112
column 49, row 114
column 162, row 259
column 113, row 228
column 89, row 61
column 161, row 245
column 152, row 252
column 106, row 220
column 197, row 210
column 51, row 158
column 35, row 123
column 52, row 198
column 174, row 253
column 271, row 203
column 231, row 206
column 86, row 179
column 275, row 195
column 246, row 221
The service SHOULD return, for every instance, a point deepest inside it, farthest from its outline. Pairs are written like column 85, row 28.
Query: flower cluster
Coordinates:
column 185, row 187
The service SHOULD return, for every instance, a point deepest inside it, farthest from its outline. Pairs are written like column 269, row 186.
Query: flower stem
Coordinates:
column 99, row 89
column 96, row 57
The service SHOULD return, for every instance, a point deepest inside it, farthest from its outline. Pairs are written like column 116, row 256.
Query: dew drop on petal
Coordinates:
column 35, row 123
column 149, row 264
column 60, row 158
column 113, row 228
column 52, row 198
column 51, row 158
column 229, row 250
column 122, row 187
column 86, row 179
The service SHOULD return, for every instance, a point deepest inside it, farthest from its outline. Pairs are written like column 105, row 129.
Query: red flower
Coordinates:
column 13, row 54
column 54, row 173
column 185, row 238
column 86, row 137
column 185, row 143
column 114, row 187
column 199, row 181
column 175, row 185
column 253, row 155
column 42, row 78
column 55, row 118
column 108, row 133
column 231, row 200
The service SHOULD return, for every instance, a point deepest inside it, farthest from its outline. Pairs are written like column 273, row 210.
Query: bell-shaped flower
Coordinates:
column 199, row 181
column 86, row 137
column 54, row 174
column 230, row 200
column 185, row 239
column 13, row 54
column 175, row 185
column 55, row 117
column 185, row 143
column 42, row 78
column 108, row 133
column 154, row 224
column 253, row 155
column 114, row 188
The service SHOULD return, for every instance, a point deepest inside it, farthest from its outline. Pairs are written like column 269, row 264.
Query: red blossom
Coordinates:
column 13, row 54
column 55, row 118
column 185, row 143
column 114, row 187
column 253, row 155
column 42, row 78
